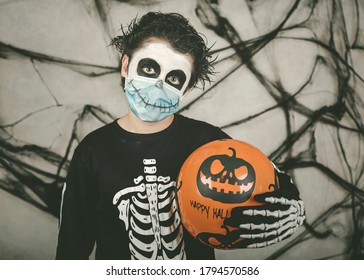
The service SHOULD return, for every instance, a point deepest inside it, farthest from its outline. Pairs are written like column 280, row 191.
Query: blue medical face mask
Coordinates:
column 151, row 100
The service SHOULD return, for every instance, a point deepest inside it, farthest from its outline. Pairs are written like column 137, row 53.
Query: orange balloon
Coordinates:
column 216, row 178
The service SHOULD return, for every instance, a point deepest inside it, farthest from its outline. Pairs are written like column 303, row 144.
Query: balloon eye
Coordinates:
column 216, row 167
column 241, row 172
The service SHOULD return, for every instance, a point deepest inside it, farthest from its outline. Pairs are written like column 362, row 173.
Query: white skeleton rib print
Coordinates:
column 150, row 214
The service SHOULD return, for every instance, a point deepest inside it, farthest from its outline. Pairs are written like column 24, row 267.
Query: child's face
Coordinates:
column 158, row 60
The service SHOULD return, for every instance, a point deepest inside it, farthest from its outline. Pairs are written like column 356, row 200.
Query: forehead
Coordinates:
column 164, row 54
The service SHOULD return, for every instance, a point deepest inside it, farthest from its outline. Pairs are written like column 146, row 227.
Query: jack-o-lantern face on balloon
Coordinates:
column 225, row 178
column 216, row 178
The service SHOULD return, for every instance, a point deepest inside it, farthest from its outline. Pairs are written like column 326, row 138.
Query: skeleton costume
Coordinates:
column 120, row 192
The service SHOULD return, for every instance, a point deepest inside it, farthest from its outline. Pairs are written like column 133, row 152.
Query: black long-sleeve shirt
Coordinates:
column 120, row 193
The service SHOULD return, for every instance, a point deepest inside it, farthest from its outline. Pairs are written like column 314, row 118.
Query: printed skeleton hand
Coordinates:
column 278, row 219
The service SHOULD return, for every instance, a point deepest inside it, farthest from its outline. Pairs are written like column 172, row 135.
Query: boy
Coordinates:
column 120, row 189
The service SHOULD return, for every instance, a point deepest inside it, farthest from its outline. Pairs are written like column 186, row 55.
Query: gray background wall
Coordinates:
column 289, row 80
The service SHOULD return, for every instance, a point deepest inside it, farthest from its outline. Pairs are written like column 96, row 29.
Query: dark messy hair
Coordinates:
column 177, row 31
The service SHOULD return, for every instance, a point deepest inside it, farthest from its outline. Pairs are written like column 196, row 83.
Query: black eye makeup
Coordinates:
column 176, row 78
column 148, row 67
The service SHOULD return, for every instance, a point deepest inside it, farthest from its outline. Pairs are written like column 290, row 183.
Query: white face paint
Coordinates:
column 158, row 60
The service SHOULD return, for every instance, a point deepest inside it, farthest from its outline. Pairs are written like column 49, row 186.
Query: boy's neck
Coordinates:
column 133, row 124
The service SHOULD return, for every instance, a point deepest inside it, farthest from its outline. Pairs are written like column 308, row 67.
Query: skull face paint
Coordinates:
column 157, row 77
column 148, row 67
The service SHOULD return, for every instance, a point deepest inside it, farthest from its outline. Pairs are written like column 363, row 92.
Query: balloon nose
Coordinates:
column 159, row 84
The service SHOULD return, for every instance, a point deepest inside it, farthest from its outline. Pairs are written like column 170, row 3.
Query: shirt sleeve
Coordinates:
column 218, row 134
column 76, row 235
column 286, row 184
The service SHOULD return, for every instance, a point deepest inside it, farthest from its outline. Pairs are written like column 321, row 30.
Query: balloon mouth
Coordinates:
column 227, row 192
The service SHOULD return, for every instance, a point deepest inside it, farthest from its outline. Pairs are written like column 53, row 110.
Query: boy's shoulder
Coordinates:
column 201, row 128
column 98, row 136
column 194, row 122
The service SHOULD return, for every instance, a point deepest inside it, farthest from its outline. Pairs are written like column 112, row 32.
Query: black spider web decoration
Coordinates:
column 41, row 184
column 331, row 37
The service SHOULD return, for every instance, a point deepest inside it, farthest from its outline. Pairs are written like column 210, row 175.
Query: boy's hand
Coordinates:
column 280, row 216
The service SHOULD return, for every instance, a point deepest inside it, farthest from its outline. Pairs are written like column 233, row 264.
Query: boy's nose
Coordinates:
column 159, row 84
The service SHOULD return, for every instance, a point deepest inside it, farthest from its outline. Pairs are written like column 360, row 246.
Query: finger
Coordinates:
column 250, row 228
column 286, row 194
column 279, row 226
column 302, row 207
column 236, row 221
column 272, row 241
column 268, row 213
column 261, row 197
column 238, row 211
column 301, row 219
column 237, row 217
column 281, row 200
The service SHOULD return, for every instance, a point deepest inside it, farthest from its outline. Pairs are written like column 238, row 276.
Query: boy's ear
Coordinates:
column 124, row 65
